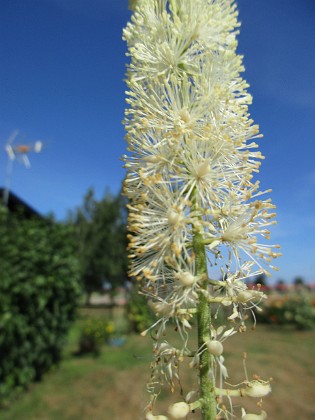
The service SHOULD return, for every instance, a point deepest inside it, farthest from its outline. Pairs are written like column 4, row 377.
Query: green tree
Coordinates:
column 100, row 231
column 299, row 284
column 261, row 279
column 39, row 294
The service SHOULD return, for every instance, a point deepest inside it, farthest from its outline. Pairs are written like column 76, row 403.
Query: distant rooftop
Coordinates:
column 15, row 204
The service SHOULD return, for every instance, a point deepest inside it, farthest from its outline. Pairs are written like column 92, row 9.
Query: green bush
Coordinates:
column 39, row 291
column 293, row 309
column 95, row 332
column 140, row 316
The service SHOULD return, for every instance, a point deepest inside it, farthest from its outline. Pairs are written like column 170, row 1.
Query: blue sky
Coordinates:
column 61, row 81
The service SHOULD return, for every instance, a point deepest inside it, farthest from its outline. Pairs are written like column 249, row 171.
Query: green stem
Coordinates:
column 207, row 385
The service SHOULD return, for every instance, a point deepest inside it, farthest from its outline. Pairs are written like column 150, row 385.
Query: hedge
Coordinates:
column 292, row 309
column 39, row 291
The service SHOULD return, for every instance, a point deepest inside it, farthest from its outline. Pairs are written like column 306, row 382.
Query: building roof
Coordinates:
column 16, row 205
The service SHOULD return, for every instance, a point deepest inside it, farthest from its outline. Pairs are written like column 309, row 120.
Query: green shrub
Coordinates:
column 293, row 309
column 94, row 334
column 140, row 316
column 39, row 291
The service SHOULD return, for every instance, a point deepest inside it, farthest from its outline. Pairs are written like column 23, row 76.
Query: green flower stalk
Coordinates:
column 193, row 203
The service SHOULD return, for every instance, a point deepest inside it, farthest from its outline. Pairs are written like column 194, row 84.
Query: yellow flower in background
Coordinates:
column 110, row 328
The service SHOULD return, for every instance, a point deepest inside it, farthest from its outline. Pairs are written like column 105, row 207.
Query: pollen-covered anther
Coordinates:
column 148, row 274
column 176, row 249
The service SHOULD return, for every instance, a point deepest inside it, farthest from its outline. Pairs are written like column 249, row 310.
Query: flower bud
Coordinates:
column 247, row 295
column 186, row 278
column 178, row 410
column 174, row 218
column 151, row 159
column 244, row 296
column 184, row 115
column 203, row 169
column 161, row 308
column 215, row 347
column 257, row 389
column 261, row 416
column 150, row 416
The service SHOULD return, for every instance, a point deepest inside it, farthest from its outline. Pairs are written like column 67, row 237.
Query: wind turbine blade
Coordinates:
column 10, row 151
column 12, row 136
column 38, row 146
column 26, row 161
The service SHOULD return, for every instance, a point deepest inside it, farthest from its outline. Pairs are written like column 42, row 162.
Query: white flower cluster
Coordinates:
column 190, row 167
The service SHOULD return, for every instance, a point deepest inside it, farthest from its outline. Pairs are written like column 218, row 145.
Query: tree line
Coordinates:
column 100, row 235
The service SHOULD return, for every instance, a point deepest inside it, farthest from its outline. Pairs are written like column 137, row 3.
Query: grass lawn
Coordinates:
column 112, row 386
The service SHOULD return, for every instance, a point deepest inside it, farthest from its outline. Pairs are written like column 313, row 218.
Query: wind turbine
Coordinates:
column 19, row 152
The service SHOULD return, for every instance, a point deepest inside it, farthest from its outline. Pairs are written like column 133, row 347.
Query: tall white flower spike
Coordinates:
column 193, row 201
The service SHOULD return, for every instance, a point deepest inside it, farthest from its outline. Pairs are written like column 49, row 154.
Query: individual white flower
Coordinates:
column 215, row 347
column 166, row 363
column 174, row 107
column 257, row 389
column 153, row 154
column 158, row 228
column 205, row 168
column 241, row 235
column 234, row 292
